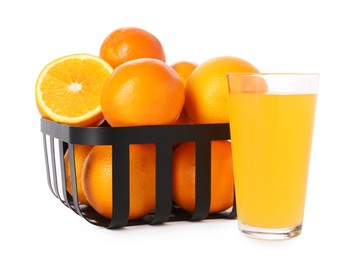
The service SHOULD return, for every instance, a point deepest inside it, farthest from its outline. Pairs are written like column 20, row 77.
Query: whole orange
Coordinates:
column 142, row 92
column 183, row 118
column 97, row 180
column 130, row 43
column 184, row 69
column 207, row 89
column 80, row 153
column 184, row 167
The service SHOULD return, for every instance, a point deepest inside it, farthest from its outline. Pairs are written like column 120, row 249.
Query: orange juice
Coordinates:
column 271, row 139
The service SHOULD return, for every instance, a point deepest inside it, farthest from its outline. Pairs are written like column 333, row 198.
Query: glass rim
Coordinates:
column 288, row 83
column 273, row 74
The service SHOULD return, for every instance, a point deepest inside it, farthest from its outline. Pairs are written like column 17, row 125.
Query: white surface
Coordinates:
column 276, row 36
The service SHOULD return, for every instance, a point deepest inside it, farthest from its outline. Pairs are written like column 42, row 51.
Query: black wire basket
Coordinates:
column 62, row 137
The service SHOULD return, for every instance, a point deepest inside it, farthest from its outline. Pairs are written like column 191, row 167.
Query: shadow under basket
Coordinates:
column 57, row 138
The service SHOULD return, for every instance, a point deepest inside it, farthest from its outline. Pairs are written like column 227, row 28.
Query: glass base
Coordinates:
column 270, row 233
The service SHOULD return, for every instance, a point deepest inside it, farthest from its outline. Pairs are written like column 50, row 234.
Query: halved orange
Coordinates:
column 68, row 89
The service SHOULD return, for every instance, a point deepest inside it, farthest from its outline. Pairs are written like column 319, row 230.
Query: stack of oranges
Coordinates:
column 130, row 84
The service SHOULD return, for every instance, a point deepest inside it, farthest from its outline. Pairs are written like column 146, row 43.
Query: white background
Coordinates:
column 275, row 36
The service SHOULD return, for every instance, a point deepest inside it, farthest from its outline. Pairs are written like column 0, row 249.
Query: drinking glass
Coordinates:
column 271, row 125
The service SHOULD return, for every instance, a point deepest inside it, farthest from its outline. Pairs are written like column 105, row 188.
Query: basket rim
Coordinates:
column 103, row 135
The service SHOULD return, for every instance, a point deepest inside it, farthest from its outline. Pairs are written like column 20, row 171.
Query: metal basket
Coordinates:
column 62, row 137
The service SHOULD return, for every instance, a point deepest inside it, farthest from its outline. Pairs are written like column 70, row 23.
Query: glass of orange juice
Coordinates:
column 271, row 125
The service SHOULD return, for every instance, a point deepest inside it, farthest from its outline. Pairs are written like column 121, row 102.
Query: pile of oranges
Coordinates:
column 130, row 84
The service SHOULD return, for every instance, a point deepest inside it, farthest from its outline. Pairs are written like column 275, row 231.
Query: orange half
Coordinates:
column 68, row 89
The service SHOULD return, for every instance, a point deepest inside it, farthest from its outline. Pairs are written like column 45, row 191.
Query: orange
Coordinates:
column 184, row 69
column 68, row 89
column 207, row 89
column 183, row 118
column 80, row 153
column 130, row 43
column 97, row 180
column 222, row 186
column 142, row 92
